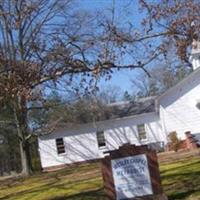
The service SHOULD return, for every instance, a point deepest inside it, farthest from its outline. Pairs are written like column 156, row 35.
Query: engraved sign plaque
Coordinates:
column 131, row 177
column 132, row 173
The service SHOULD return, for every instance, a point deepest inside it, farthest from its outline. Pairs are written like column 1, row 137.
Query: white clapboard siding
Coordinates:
column 178, row 110
column 81, row 142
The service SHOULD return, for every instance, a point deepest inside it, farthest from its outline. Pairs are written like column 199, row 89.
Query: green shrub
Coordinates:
column 174, row 141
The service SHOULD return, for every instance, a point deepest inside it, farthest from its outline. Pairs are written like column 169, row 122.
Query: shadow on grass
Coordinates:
column 181, row 167
column 182, row 186
column 187, row 176
column 181, row 195
column 90, row 195
column 54, row 184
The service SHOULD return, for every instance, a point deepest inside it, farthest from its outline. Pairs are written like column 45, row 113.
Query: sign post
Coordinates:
column 132, row 172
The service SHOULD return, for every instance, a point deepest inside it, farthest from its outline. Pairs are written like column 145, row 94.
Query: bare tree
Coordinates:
column 41, row 41
column 165, row 22
column 44, row 41
column 162, row 78
column 177, row 22
column 30, row 56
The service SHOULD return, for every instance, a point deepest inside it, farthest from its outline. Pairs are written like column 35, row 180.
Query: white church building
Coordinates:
column 149, row 121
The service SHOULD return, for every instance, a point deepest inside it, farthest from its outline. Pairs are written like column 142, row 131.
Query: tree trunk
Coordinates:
column 25, row 158
column 20, row 113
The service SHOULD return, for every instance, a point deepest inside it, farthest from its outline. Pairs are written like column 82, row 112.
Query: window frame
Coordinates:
column 140, row 133
column 198, row 105
column 60, row 147
column 101, row 144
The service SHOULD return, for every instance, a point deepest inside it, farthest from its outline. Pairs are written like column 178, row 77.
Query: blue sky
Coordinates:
column 123, row 77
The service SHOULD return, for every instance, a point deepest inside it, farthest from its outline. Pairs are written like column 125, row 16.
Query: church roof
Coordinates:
column 129, row 108
column 195, row 73
column 119, row 110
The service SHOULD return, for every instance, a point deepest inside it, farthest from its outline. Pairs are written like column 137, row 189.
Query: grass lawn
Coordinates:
column 181, row 180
